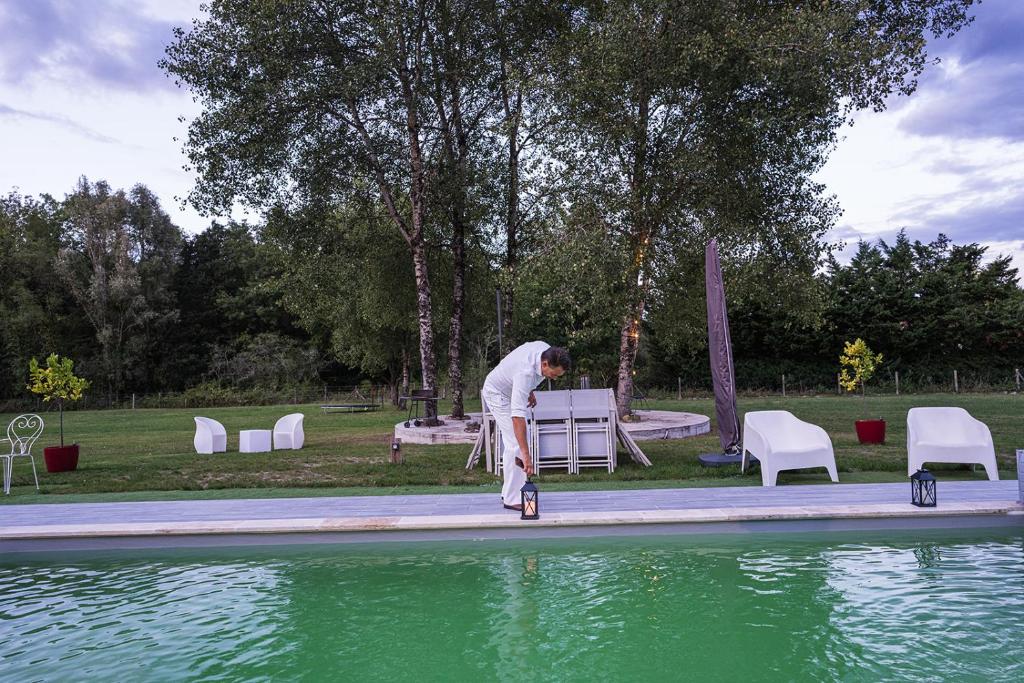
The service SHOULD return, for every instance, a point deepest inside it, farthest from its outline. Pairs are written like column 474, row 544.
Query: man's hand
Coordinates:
column 528, row 466
column 532, row 401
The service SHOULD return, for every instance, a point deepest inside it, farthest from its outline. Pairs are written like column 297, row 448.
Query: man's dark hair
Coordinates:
column 557, row 357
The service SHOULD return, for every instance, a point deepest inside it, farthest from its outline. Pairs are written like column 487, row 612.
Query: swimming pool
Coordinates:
column 912, row 605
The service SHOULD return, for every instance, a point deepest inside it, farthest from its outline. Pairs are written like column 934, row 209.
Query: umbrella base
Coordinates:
column 723, row 459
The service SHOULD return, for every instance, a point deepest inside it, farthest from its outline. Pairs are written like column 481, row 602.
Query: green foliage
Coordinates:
column 858, row 364
column 56, row 382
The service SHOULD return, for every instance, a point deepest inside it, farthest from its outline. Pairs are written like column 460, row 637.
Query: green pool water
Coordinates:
column 791, row 607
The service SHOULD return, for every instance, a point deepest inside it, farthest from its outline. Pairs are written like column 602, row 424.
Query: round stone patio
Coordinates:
column 653, row 425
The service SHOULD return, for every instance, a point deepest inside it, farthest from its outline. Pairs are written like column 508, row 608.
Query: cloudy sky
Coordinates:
column 80, row 93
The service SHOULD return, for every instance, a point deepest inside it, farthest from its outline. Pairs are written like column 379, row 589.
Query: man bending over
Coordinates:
column 508, row 393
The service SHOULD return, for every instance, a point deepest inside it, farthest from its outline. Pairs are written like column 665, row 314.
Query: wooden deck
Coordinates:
column 483, row 511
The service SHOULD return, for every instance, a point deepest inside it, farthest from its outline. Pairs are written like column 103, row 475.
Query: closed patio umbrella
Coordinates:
column 722, row 375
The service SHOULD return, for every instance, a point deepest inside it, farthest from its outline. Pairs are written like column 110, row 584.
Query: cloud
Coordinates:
column 977, row 91
column 111, row 44
column 63, row 121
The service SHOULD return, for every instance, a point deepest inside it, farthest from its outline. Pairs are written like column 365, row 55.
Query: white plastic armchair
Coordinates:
column 948, row 435
column 288, row 432
column 211, row 437
column 22, row 432
column 782, row 442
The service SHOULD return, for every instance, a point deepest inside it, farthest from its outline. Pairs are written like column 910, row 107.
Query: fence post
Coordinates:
column 897, row 382
column 783, row 385
column 839, row 386
column 133, row 400
column 1016, row 373
column 956, row 382
column 679, row 388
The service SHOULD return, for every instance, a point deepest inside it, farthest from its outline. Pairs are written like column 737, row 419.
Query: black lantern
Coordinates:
column 530, row 498
column 922, row 489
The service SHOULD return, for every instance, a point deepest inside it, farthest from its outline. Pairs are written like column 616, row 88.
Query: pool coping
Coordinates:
column 486, row 522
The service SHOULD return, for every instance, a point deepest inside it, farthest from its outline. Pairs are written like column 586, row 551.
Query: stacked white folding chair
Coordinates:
column 552, row 431
column 593, row 429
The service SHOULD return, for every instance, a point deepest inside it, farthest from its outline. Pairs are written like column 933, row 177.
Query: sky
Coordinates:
column 81, row 94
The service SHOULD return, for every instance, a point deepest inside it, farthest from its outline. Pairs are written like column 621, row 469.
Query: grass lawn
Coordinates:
column 148, row 454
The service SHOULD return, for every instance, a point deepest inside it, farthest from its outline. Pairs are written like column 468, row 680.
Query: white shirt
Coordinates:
column 517, row 375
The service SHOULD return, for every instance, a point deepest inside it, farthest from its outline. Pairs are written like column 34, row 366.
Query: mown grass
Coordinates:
column 148, row 454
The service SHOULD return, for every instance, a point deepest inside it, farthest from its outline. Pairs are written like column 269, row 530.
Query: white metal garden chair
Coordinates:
column 22, row 432
column 211, row 437
column 593, row 429
column 552, row 431
column 948, row 435
column 288, row 432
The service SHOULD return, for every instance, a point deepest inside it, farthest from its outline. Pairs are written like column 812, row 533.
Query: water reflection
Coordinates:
column 762, row 608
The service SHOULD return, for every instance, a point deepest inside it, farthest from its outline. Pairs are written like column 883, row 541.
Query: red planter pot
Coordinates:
column 61, row 458
column 870, row 431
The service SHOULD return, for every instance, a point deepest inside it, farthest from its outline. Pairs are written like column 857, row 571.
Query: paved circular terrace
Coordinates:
column 653, row 425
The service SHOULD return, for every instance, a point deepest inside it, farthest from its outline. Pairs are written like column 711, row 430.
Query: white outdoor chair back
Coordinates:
column 785, row 430
column 950, row 435
column 22, row 433
column 593, row 429
column 943, row 425
column 288, row 433
column 552, row 430
column 211, row 437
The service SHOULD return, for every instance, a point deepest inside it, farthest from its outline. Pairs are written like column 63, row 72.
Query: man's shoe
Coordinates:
column 517, row 507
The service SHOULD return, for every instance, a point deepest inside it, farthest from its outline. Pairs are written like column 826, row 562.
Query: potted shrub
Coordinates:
column 859, row 364
column 57, row 382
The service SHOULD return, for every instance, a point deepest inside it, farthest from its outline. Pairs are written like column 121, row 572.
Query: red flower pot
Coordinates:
column 61, row 458
column 870, row 431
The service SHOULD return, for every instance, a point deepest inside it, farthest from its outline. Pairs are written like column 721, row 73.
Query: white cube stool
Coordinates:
column 254, row 440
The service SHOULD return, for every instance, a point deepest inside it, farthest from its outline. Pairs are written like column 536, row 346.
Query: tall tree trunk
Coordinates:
column 458, row 313
column 425, row 317
column 511, row 222
column 629, row 339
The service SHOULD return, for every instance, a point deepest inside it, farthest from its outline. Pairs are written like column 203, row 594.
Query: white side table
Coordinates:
column 254, row 440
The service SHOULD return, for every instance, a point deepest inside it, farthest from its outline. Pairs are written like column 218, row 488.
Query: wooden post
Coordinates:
column 839, row 386
column 897, row 382
column 956, row 382
column 679, row 388
column 133, row 400
column 1016, row 374
column 783, row 385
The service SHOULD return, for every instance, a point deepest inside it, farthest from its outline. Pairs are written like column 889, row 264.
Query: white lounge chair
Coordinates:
column 782, row 442
column 211, row 437
column 593, row 429
column 552, row 431
column 288, row 432
column 22, row 432
column 948, row 435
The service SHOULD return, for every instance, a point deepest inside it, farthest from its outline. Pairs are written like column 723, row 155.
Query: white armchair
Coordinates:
column 288, row 432
column 948, row 435
column 211, row 437
column 782, row 442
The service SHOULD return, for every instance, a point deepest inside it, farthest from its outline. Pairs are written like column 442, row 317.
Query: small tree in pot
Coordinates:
column 57, row 382
column 859, row 364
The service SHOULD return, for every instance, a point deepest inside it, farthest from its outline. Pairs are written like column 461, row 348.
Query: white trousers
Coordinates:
column 499, row 406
